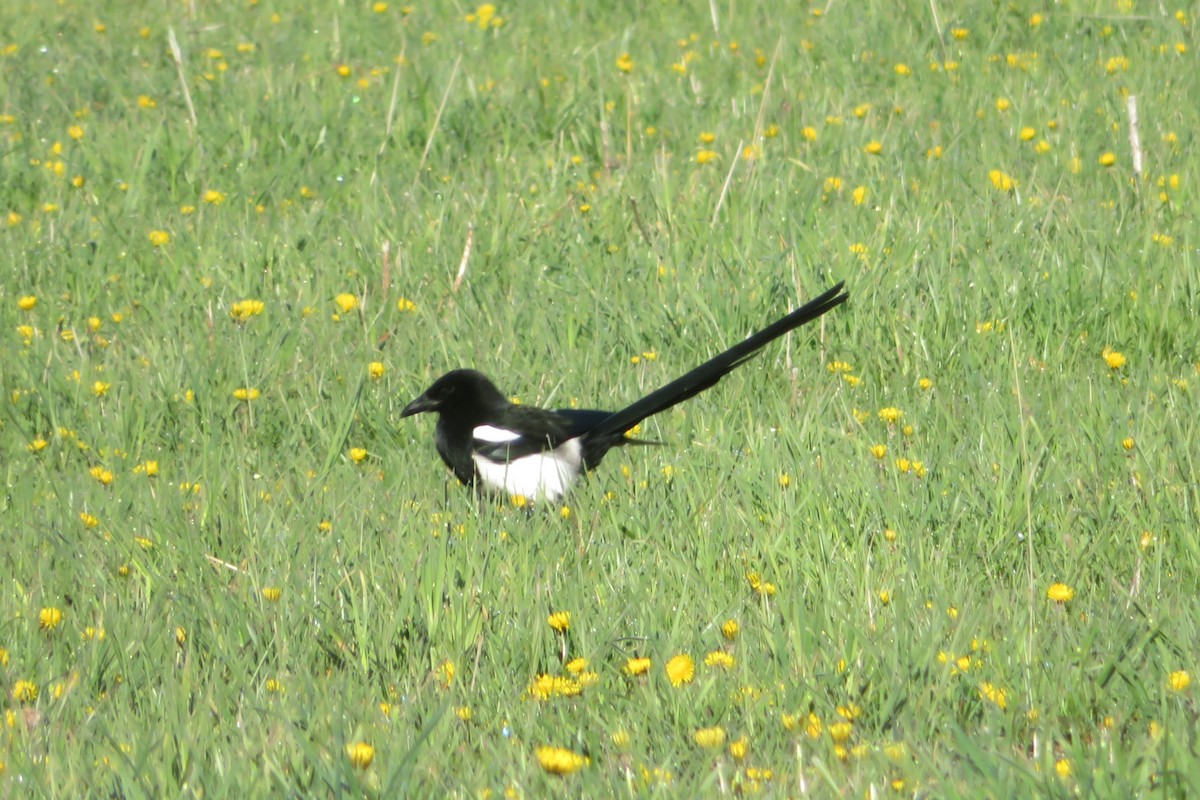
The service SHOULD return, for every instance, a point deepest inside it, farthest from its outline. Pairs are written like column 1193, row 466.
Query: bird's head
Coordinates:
column 459, row 391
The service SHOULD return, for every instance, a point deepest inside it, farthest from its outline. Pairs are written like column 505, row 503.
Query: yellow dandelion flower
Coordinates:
column 272, row 593
column 357, row 454
column 739, row 749
column 873, row 148
column 1001, row 180
column 625, row 63
column 49, row 618
column 710, row 738
column 544, row 687
column 1063, row 768
column 560, row 621
column 104, row 476
column 1107, row 159
column 719, row 659
column 446, row 671
column 37, row 445
column 1128, row 443
column 181, row 636
column 680, row 669
column 404, row 305
column 730, row 629
column 88, row 520
column 25, row 692
column 879, row 451
column 213, row 197
column 637, row 666
column 27, row 303
column 1179, row 680
column 994, row 694
column 159, row 238
column 100, row 388
column 246, row 394
column 841, row 731
column 243, row 310
column 890, row 414
column 706, row 156
column 559, row 760
column 360, row 754
column 1060, row 593
column 346, row 302
column 1113, row 359
column 375, row 370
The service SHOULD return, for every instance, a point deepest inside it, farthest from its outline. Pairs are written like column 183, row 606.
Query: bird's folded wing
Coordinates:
column 525, row 431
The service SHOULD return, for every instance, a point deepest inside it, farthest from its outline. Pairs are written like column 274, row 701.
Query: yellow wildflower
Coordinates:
column 559, row 760
column 1060, row 593
column 637, row 666
column 710, row 738
column 680, row 669
column 360, row 754
column 49, row 618
column 245, row 309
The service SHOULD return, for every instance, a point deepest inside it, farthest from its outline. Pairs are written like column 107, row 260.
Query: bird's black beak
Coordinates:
column 422, row 403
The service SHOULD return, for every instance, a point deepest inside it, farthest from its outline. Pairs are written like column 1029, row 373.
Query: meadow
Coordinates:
column 943, row 543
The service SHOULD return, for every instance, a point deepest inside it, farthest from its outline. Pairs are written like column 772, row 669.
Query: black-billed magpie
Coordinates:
column 538, row 453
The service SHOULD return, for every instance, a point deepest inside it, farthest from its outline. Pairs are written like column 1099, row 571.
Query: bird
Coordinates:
column 503, row 448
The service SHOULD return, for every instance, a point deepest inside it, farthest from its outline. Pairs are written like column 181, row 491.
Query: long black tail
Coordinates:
column 711, row 371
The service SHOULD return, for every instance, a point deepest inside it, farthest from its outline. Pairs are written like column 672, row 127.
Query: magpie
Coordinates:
column 504, row 448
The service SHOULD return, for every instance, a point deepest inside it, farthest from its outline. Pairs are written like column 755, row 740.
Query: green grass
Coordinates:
column 233, row 623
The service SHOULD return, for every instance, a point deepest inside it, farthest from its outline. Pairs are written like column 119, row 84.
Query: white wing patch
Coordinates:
column 540, row 476
column 494, row 435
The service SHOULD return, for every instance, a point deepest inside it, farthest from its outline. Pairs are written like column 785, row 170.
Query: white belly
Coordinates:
column 538, row 477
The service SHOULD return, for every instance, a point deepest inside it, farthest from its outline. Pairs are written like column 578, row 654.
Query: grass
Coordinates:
column 288, row 595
